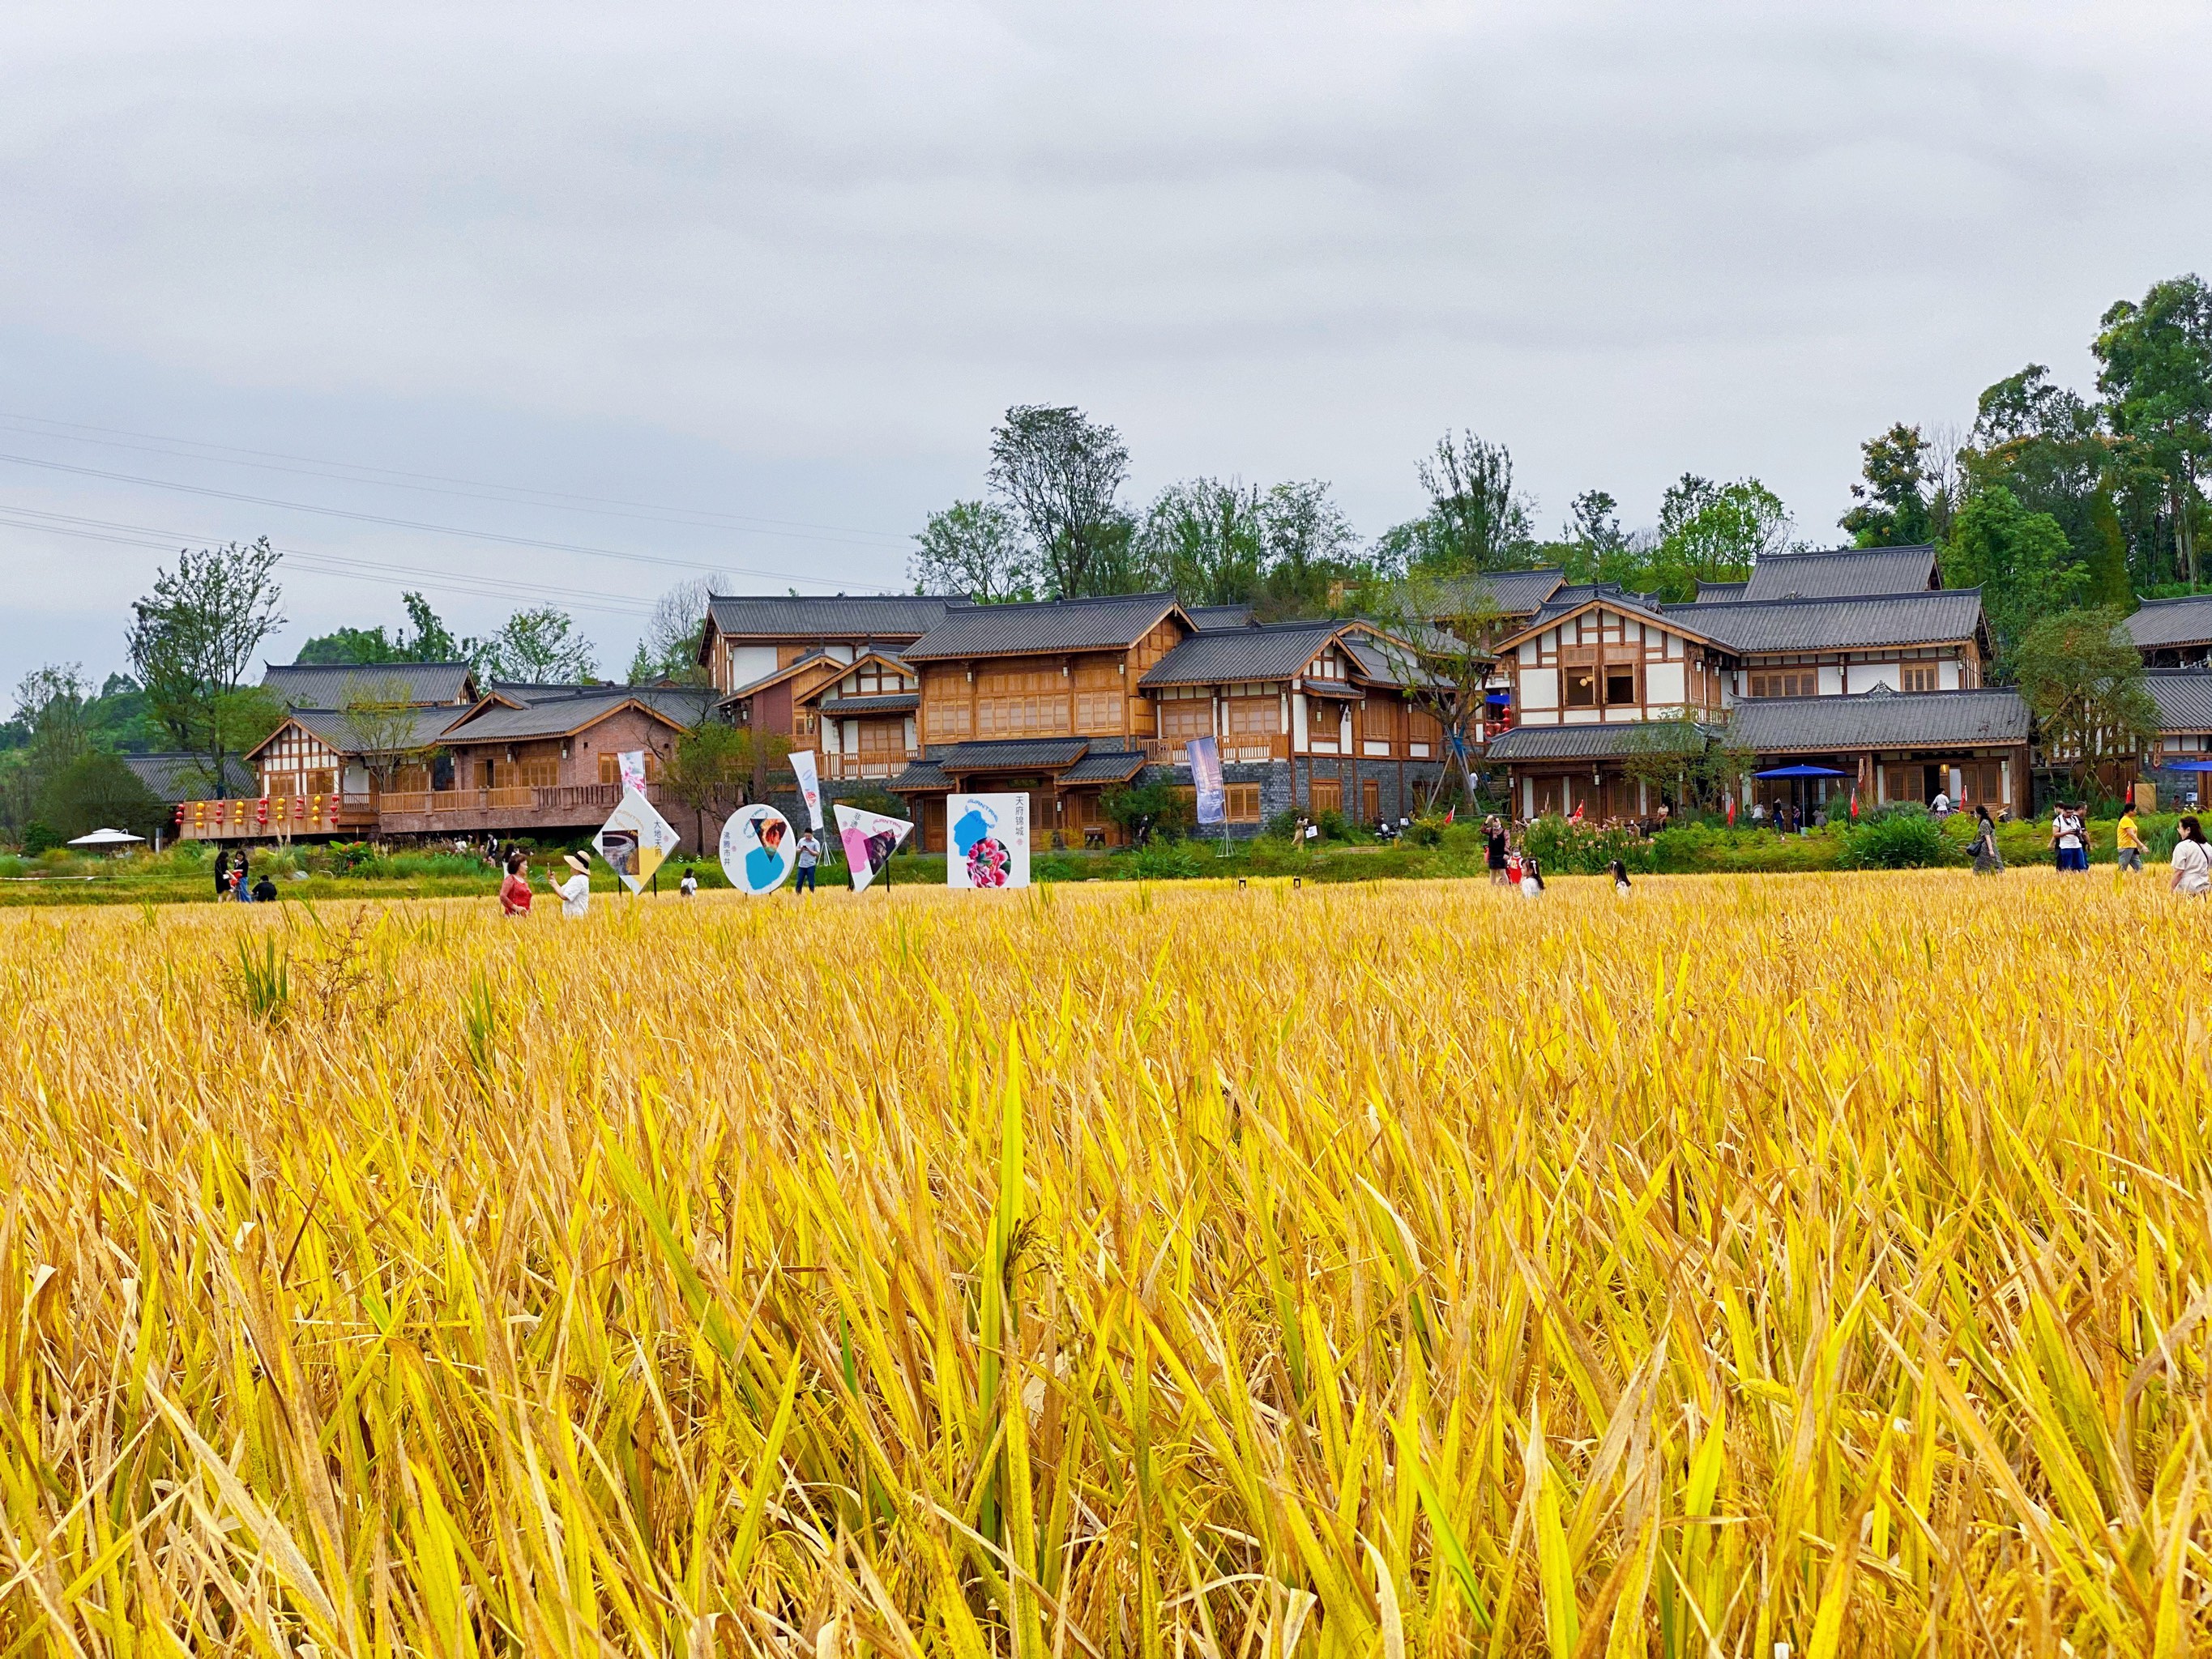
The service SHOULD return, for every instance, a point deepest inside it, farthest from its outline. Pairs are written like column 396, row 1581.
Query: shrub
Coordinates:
column 1168, row 862
column 346, row 856
column 1897, row 839
column 1580, row 850
column 1153, row 809
column 39, row 836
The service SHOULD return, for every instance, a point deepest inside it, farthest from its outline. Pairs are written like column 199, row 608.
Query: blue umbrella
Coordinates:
column 1802, row 772
column 2185, row 765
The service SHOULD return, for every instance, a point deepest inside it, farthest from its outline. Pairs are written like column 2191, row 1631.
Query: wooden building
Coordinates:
column 865, row 721
column 2173, row 633
column 1972, row 745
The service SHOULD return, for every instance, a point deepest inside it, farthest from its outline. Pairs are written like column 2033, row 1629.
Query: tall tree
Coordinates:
column 1061, row 473
column 975, row 548
column 1477, row 521
column 54, row 706
column 1891, row 500
column 381, row 723
column 1597, row 549
column 193, row 640
column 539, row 645
column 669, row 648
column 1308, row 551
column 1206, row 538
column 2020, row 561
column 2084, row 678
column 2046, row 445
column 2156, row 359
column 1712, row 532
column 428, row 641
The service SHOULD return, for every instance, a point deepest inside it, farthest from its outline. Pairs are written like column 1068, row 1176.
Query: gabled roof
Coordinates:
column 1208, row 617
column 2184, row 697
column 1113, row 766
column 813, row 659
column 1010, row 755
column 856, row 616
column 410, row 728
column 886, row 703
column 331, row 685
column 1567, row 600
column 1751, row 627
column 1843, row 573
column 827, row 689
column 1108, row 624
column 173, row 777
column 1277, row 652
column 2163, row 623
column 1720, row 592
column 680, row 708
column 1629, row 604
column 1881, row 719
column 1508, row 593
column 1539, row 743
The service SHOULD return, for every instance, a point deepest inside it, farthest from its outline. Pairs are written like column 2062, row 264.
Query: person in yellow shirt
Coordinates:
column 2130, row 841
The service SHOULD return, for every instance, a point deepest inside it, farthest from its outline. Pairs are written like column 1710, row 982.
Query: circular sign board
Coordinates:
column 758, row 849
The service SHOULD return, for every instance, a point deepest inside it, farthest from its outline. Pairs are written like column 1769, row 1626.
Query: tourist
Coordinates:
column 222, row 872
column 241, row 882
column 575, row 890
column 1987, row 859
column 2129, row 855
column 265, row 890
column 514, row 887
column 1493, row 842
column 2068, row 839
column 810, row 854
column 1941, row 804
column 688, row 887
column 2192, row 861
column 1513, row 866
column 1532, row 878
column 1620, row 878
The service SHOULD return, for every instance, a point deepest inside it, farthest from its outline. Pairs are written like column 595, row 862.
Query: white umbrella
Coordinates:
column 109, row 838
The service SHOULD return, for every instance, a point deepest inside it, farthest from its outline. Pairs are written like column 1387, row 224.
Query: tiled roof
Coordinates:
column 557, row 717
column 175, row 777
column 1275, row 652
column 339, row 730
column 918, row 775
column 1753, row 626
column 2184, row 697
column 1880, row 720
column 1011, row 754
column 2172, row 622
column 1394, row 664
column 1210, row 616
column 1537, row 743
column 812, row 660
column 330, row 685
column 1113, row 766
column 840, row 616
column 1720, row 592
column 992, row 630
column 888, row 702
column 1842, row 573
column 1508, row 593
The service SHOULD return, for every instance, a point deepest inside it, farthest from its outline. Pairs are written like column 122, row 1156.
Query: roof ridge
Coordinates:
column 1927, row 548
column 1834, row 599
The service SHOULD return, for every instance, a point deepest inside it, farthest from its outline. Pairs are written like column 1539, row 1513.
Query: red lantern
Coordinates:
column 261, row 811
column 299, row 809
column 180, row 813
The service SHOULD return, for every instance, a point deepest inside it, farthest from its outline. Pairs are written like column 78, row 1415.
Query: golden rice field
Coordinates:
column 1383, row 1270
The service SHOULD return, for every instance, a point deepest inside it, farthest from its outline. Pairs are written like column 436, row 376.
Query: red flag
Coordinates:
column 1854, row 803
column 1731, row 811
column 1577, row 817
column 1450, row 812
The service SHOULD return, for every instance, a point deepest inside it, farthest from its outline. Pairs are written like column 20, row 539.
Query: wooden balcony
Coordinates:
column 522, row 808
column 1243, row 748
column 867, row 763
column 274, row 817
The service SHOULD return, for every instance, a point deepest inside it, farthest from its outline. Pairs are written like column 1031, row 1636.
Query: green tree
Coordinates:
column 2047, row 447
column 1310, row 551
column 2156, row 374
column 2020, row 561
column 2084, row 678
column 194, row 638
column 428, row 641
column 1892, row 506
column 1712, row 532
column 975, row 548
column 1060, row 473
column 1206, row 538
column 1476, row 520
column 97, row 791
column 539, row 645
column 1597, row 549
column 669, row 648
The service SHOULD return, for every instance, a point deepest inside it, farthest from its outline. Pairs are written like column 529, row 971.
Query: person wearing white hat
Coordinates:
column 575, row 890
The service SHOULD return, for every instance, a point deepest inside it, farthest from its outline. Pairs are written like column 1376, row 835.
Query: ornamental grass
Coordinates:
column 1191, row 1271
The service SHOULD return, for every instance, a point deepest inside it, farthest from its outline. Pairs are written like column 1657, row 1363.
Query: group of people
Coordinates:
column 236, row 882
column 570, row 879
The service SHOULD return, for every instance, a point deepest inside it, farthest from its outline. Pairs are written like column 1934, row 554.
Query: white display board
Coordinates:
column 987, row 841
column 758, row 849
column 869, row 840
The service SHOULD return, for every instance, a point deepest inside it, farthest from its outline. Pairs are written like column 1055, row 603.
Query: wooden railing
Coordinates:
column 866, row 764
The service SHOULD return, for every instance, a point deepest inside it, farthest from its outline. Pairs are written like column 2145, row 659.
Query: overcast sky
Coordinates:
column 767, row 275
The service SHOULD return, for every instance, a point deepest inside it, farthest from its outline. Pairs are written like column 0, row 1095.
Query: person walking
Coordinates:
column 1493, row 843
column 514, row 887
column 222, row 872
column 575, row 890
column 2192, row 862
column 2129, row 853
column 810, row 854
column 2067, row 840
column 1987, row 859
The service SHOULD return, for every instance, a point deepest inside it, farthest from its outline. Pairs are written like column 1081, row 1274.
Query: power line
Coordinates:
column 431, row 529
column 333, row 564
column 439, row 483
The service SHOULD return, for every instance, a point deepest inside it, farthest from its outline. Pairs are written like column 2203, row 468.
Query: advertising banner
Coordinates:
column 810, row 784
column 1205, row 775
column 990, row 841
column 869, row 840
column 758, row 849
column 635, row 841
column 630, row 763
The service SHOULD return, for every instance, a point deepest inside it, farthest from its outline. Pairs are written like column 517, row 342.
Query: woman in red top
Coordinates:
column 514, row 892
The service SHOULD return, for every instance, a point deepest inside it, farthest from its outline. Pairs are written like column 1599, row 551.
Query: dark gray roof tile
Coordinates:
column 2184, row 697
column 1111, row 624
column 1752, row 627
column 1275, row 652
column 2172, row 622
column 1842, row 573
column 332, row 685
column 889, row 617
column 888, row 702
column 1543, row 743
column 175, row 777
column 1880, row 720
column 1010, row 755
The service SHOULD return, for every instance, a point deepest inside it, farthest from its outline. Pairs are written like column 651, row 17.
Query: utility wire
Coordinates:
column 438, row 483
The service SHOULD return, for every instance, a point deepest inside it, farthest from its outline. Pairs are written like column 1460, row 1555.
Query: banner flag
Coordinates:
column 990, row 841
column 810, row 783
column 635, row 841
column 1205, row 773
column 758, row 849
column 869, row 840
column 630, row 763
